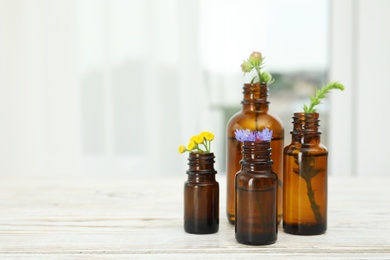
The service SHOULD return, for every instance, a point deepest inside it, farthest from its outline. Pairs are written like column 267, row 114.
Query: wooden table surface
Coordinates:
column 110, row 218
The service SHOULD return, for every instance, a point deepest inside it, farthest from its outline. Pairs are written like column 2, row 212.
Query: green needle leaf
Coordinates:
column 321, row 94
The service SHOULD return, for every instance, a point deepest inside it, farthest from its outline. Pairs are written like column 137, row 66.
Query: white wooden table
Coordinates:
column 143, row 218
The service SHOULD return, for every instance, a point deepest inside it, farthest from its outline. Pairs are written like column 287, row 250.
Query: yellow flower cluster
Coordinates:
column 198, row 143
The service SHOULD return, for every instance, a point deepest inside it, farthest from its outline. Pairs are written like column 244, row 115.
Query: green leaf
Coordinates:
column 321, row 94
column 253, row 79
column 305, row 109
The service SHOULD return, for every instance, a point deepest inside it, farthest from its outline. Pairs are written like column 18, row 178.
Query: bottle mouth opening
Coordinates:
column 257, row 88
column 254, row 101
column 255, row 94
column 203, row 156
column 255, row 85
column 305, row 123
column 306, row 116
column 256, row 145
column 202, row 163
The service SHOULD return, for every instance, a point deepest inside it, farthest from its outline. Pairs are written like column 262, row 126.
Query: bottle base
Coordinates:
column 257, row 240
column 200, row 229
column 231, row 218
column 202, row 232
column 304, row 229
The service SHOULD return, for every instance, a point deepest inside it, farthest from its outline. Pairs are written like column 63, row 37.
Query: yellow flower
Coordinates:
column 199, row 139
column 209, row 136
column 200, row 143
column 182, row 149
column 204, row 133
column 191, row 145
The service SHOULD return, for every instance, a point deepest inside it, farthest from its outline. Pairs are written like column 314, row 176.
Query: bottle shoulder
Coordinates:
column 296, row 148
column 252, row 120
column 253, row 175
column 254, row 181
column 192, row 184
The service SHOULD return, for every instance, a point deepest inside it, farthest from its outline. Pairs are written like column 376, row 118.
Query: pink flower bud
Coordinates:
column 255, row 58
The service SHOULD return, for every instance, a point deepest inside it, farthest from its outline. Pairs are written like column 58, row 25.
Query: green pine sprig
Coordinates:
column 321, row 94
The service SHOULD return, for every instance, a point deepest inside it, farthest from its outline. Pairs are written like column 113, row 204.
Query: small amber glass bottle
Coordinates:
column 305, row 178
column 201, row 195
column 253, row 116
column 256, row 196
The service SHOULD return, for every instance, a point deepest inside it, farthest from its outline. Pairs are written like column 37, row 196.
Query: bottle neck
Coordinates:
column 201, row 167
column 255, row 97
column 256, row 156
column 306, row 128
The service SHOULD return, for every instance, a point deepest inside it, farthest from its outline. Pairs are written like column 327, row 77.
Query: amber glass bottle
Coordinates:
column 305, row 178
column 256, row 188
column 253, row 116
column 201, row 195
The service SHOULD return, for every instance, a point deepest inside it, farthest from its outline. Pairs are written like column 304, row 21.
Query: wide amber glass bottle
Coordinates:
column 201, row 195
column 305, row 178
column 256, row 188
column 253, row 116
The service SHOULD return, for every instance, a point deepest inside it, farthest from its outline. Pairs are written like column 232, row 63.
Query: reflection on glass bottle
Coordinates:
column 305, row 178
column 201, row 195
column 256, row 196
column 254, row 116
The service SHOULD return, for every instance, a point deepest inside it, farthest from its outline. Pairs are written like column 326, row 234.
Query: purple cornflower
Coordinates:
column 255, row 136
column 265, row 135
column 245, row 135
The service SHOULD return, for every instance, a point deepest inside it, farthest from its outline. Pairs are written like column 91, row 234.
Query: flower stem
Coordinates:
column 205, row 146
column 307, row 170
column 313, row 204
column 258, row 74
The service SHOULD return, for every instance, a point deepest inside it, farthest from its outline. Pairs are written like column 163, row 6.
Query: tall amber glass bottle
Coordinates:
column 256, row 188
column 305, row 178
column 253, row 116
column 201, row 195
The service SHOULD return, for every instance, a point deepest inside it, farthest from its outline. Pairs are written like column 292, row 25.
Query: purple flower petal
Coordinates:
column 265, row 135
column 244, row 135
column 248, row 136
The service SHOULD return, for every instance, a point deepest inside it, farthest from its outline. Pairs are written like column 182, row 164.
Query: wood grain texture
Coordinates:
column 143, row 218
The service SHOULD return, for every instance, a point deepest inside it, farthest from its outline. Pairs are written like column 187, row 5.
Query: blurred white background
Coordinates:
column 114, row 87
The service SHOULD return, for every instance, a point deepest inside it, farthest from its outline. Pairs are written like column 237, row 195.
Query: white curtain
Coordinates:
column 102, row 87
column 114, row 87
column 149, row 81
column 360, row 59
column 39, row 85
